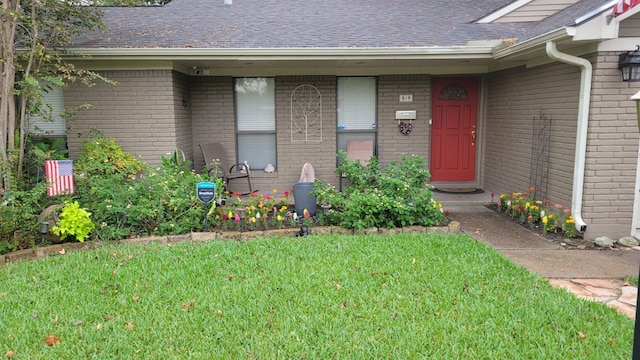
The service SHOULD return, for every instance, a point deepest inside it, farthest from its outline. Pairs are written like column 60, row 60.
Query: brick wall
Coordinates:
column 516, row 96
column 212, row 114
column 182, row 114
column 139, row 112
column 514, row 99
column 612, row 150
column 391, row 143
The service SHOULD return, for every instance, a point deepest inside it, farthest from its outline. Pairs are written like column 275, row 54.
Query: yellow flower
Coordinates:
column 544, row 220
column 275, row 190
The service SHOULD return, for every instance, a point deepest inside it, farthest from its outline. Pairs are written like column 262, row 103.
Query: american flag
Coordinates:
column 624, row 5
column 59, row 175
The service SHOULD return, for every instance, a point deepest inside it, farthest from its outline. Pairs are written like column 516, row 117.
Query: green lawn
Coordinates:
column 319, row 297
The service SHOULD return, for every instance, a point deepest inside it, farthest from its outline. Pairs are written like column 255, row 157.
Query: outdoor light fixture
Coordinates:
column 44, row 228
column 242, row 213
column 325, row 208
column 629, row 64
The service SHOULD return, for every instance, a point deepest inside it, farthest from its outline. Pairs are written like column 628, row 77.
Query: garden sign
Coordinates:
column 206, row 192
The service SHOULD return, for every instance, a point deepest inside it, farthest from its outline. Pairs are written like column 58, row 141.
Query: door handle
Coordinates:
column 473, row 133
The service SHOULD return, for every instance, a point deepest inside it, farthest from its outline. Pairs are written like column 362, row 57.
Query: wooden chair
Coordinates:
column 217, row 165
column 358, row 150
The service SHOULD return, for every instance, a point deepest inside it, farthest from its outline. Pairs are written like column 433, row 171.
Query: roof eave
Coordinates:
column 533, row 44
column 399, row 53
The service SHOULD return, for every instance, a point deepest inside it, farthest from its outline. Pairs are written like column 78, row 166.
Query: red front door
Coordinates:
column 454, row 129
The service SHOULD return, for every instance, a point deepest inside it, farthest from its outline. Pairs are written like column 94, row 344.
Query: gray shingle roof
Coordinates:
column 313, row 24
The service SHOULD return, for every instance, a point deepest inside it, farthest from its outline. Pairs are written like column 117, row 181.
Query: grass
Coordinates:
column 318, row 297
column 632, row 280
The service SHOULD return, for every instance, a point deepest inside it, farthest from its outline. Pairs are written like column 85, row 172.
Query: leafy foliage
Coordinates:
column 41, row 29
column 129, row 2
column 103, row 155
column 19, row 211
column 128, row 198
column 393, row 196
column 74, row 221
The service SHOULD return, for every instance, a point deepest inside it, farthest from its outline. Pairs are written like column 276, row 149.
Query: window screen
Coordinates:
column 56, row 125
column 255, row 121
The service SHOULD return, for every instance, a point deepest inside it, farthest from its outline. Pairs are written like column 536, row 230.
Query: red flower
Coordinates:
column 286, row 193
column 306, row 213
column 446, row 213
column 225, row 217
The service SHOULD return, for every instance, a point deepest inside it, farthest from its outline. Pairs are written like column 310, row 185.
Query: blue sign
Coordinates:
column 206, row 191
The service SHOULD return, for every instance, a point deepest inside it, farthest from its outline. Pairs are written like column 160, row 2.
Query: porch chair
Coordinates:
column 358, row 150
column 216, row 163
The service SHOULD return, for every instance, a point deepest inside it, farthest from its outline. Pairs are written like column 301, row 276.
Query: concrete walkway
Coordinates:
column 595, row 275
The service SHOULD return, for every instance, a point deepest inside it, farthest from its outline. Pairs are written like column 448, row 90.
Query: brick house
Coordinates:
column 506, row 94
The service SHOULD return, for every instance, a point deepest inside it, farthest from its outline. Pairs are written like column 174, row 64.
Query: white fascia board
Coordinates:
column 621, row 44
column 454, row 52
column 598, row 28
column 534, row 43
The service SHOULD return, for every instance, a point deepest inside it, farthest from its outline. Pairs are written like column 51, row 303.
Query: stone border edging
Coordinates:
column 58, row 249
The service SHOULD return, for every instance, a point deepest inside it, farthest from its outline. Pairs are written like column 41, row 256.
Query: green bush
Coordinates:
column 160, row 201
column 19, row 211
column 396, row 195
column 102, row 155
column 74, row 221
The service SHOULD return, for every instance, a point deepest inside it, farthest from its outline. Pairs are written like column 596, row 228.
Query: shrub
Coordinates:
column 160, row 201
column 19, row 211
column 101, row 155
column 396, row 195
column 74, row 221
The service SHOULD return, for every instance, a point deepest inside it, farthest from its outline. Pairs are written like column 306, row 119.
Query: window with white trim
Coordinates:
column 357, row 115
column 256, row 121
column 49, row 123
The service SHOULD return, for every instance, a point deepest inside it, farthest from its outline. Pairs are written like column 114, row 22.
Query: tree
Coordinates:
column 33, row 38
column 129, row 2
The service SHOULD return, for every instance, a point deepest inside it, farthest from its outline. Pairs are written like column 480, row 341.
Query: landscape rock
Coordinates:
column 603, row 241
column 628, row 241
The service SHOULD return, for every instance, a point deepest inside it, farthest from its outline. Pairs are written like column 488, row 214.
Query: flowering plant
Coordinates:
column 537, row 213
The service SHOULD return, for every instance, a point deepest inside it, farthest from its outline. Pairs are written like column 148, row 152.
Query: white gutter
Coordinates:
column 394, row 53
column 581, row 131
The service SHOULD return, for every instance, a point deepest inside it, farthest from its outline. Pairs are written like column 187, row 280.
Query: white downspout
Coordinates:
column 581, row 131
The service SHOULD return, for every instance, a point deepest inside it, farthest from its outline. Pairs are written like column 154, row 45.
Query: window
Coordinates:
column 256, row 121
column 356, row 110
column 51, row 124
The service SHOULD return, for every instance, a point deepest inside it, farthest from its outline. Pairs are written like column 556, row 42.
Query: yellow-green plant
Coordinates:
column 74, row 221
